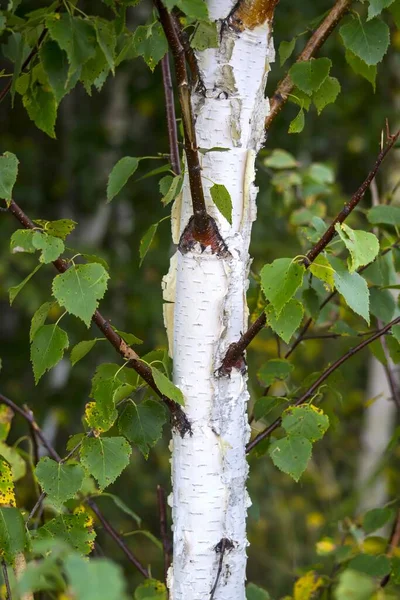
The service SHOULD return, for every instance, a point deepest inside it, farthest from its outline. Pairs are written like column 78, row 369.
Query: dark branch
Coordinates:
column 236, row 349
column 318, row 38
column 192, row 156
column 309, row 393
column 179, row 418
column 393, row 543
column 6, row 580
column 171, row 118
column 28, row 416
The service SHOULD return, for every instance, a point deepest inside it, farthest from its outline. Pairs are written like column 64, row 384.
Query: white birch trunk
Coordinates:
column 206, row 312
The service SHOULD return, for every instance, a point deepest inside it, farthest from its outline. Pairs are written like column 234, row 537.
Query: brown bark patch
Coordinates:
column 210, row 237
column 249, row 14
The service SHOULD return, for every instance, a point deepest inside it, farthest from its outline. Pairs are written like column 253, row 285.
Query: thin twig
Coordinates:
column 393, row 543
column 178, row 416
column 309, row 393
column 6, row 579
column 318, row 38
column 236, row 349
column 28, row 416
column 171, row 117
column 201, row 218
column 165, row 538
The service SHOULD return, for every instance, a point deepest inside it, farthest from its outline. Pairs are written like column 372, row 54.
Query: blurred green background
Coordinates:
column 66, row 178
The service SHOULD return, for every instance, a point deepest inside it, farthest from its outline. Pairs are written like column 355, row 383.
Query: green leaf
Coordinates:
column 382, row 304
column 288, row 321
column 60, row 228
column 17, row 463
column 395, row 10
column 8, row 175
column 367, row 40
column 129, row 338
column 107, row 39
column 55, row 65
column 21, row 241
column 354, row 290
column 205, row 36
column 142, row 424
column 173, row 189
column 81, row 349
column 146, row 241
column 376, row 7
column 6, row 416
column 311, row 302
column 15, row 289
column 166, row 387
column 99, row 579
column 354, row 586
column 286, row 50
column 120, row 174
column 276, row 368
column 307, row 421
column 374, row 566
column 76, row 530
column 101, row 415
column 7, row 494
column 309, row 75
column 394, row 349
column 74, row 35
column 80, row 288
column 12, row 533
column 222, row 200
column 359, row 67
column 50, row 246
column 327, row 93
column 105, row 458
column 253, row 592
column 151, row 589
column 41, row 107
column 384, row 214
column 363, row 246
column 265, row 405
column 322, row 269
column 280, row 159
column 280, row 280
column 376, row 518
column 297, row 125
column 47, row 349
column 291, row 455
column 149, row 42
column 60, row 481
column 120, row 504
column 39, row 318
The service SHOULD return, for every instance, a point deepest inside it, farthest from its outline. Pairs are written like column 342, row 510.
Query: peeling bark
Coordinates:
column 205, row 311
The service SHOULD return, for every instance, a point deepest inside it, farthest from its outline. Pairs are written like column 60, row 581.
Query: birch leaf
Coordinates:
column 384, row 214
column 146, row 241
column 60, row 228
column 105, row 458
column 142, row 424
column 98, row 579
column 363, row 246
column 39, row 318
column 354, row 585
column 369, row 72
column 151, row 589
column 81, row 349
column 376, row 518
column 280, row 280
column 15, row 289
column 60, row 481
column 308, row 421
column 376, row 7
column 322, row 269
column 327, row 93
column 22, row 241
column 222, row 200
column 80, row 288
column 12, row 533
column 309, row 75
column 288, row 321
column 76, row 530
column 205, row 36
column 7, row 494
column 277, row 368
column 291, row 455
column 50, row 246
column 286, row 50
column 166, row 387
column 374, row 566
column 8, row 175
column 297, row 125
column 354, row 290
column 47, row 349
column 120, row 174
column 367, row 40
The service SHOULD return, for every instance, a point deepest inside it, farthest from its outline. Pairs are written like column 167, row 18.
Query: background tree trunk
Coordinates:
column 207, row 312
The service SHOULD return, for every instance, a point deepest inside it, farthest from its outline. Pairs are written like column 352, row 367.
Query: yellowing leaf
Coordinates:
column 306, row 586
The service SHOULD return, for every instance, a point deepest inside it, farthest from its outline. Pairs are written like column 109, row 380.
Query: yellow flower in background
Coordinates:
column 325, row 546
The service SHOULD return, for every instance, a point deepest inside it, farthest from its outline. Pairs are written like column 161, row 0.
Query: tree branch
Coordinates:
column 201, row 218
column 171, row 118
column 393, row 543
column 318, row 38
column 28, row 416
column 236, row 349
column 6, row 579
column 165, row 539
column 179, row 418
column 308, row 394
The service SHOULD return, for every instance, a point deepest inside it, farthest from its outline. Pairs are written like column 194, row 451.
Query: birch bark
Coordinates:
column 206, row 311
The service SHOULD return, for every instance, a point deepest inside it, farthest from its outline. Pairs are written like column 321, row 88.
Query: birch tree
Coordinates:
column 220, row 53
